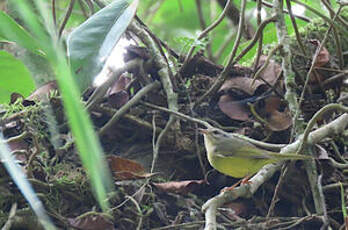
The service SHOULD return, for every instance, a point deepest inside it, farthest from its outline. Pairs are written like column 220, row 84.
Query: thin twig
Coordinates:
column 207, row 30
column 294, row 25
column 303, row 18
column 203, row 26
column 260, row 44
column 66, row 18
column 311, row 69
column 54, row 16
column 117, row 116
column 314, row 120
column 276, row 191
column 112, row 76
column 267, row 61
column 337, row 38
column 223, row 75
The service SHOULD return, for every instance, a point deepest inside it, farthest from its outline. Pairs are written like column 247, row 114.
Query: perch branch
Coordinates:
column 210, row 207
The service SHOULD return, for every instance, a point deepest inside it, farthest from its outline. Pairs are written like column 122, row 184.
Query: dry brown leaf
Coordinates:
column 239, row 209
column 180, row 187
column 277, row 120
column 91, row 222
column 117, row 95
column 233, row 108
column 272, row 71
column 323, row 55
column 43, row 91
column 241, row 84
column 125, row 169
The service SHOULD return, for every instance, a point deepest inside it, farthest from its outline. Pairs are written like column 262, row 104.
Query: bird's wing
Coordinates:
column 246, row 152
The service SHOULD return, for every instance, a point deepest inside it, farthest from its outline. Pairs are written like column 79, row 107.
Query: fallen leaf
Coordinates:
column 272, row 72
column 278, row 119
column 43, row 91
column 241, row 84
column 117, row 95
column 15, row 97
column 239, row 209
column 125, row 169
column 233, row 109
column 323, row 55
column 180, row 187
column 91, row 222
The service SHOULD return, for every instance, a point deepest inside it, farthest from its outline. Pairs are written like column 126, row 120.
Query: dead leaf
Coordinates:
column 15, row 97
column 239, row 209
column 232, row 108
column 117, row 95
column 272, row 72
column 277, row 119
column 91, row 222
column 125, row 169
column 43, row 91
column 180, row 187
column 241, row 84
column 323, row 55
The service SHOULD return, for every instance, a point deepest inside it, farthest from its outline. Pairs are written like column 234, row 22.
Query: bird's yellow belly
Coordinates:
column 237, row 167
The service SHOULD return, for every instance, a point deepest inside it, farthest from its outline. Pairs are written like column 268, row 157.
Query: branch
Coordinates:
column 145, row 90
column 339, row 125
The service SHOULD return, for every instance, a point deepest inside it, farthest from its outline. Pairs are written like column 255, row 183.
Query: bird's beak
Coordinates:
column 203, row 131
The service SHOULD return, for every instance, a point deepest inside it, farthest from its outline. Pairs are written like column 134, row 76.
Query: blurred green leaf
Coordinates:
column 14, row 77
column 8, row 160
column 11, row 31
column 86, row 140
column 91, row 43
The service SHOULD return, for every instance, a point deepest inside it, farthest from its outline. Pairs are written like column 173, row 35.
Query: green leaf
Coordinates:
column 14, row 77
column 91, row 43
column 11, row 31
column 18, row 176
column 90, row 150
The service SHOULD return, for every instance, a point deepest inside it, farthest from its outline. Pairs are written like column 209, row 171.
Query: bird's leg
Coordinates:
column 242, row 181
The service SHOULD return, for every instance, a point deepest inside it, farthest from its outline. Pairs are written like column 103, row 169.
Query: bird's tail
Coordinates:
column 291, row 156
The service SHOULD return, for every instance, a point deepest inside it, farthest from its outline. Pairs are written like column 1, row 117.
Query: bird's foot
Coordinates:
column 243, row 181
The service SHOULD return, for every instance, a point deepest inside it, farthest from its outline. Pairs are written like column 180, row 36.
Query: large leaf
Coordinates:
column 11, row 31
column 14, row 77
column 91, row 43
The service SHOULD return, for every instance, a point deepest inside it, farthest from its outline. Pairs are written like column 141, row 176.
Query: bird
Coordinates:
column 235, row 157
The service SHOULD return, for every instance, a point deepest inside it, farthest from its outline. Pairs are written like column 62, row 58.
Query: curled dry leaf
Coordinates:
column 241, row 84
column 233, row 109
column 43, row 91
column 239, row 209
column 180, row 187
column 272, row 72
column 91, row 222
column 323, row 55
column 117, row 95
column 125, row 169
column 277, row 120
column 321, row 60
